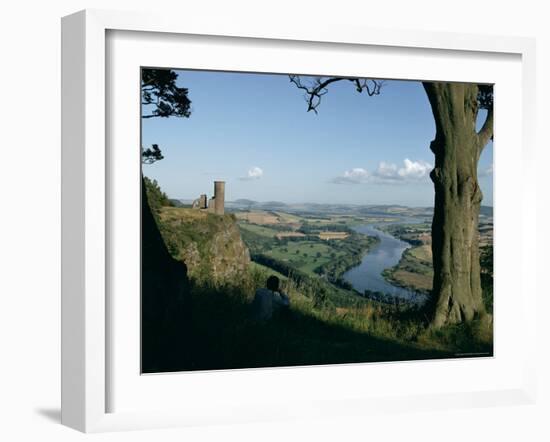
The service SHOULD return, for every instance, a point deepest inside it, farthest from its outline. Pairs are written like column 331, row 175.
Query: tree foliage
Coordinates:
column 485, row 96
column 159, row 90
column 155, row 196
column 151, row 154
column 161, row 98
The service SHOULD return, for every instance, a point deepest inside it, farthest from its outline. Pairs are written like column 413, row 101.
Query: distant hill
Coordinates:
column 486, row 210
column 273, row 204
column 326, row 208
column 243, row 202
column 178, row 203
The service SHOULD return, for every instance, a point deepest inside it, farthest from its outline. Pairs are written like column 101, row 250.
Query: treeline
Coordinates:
column 312, row 228
column 155, row 197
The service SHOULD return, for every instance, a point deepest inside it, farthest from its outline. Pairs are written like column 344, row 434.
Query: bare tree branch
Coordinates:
column 486, row 131
column 317, row 87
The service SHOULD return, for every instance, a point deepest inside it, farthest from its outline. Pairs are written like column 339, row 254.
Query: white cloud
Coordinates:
column 386, row 171
column 357, row 175
column 254, row 173
column 411, row 171
column 415, row 170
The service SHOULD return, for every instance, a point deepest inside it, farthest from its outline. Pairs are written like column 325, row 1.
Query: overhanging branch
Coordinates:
column 316, row 88
column 486, row 131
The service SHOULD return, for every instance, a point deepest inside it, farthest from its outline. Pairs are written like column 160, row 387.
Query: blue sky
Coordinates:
column 254, row 132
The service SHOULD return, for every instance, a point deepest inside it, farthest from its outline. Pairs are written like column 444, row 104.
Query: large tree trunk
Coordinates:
column 456, row 295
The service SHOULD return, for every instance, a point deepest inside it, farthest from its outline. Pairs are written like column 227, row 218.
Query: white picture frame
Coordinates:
column 86, row 356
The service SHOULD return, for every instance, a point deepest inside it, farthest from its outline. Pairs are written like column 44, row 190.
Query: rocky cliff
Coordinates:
column 210, row 245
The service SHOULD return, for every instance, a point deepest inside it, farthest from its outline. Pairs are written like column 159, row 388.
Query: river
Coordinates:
column 386, row 254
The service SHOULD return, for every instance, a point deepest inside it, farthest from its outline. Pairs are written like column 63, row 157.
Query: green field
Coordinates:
column 258, row 230
column 305, row 255
column 288, row 218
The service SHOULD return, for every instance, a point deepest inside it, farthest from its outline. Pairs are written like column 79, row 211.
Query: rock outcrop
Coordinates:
column 210, row 245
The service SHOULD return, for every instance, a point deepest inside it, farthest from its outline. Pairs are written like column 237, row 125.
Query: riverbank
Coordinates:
column 367, row 278
column 414, row 271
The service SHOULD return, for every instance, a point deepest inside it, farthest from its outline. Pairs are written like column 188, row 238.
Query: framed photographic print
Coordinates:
column 301, row 254
column 258, row 220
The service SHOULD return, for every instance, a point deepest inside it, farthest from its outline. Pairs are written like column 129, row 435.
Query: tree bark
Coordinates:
column 456, row 295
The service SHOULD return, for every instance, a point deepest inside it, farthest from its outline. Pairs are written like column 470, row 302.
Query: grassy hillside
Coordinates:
column 225, row 336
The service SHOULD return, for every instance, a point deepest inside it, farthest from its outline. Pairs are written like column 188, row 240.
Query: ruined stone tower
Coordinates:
column 216, row 204
column 219, row 197
column 203, row 201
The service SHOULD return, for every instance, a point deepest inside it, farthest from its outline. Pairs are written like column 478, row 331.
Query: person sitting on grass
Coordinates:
column 269, row 301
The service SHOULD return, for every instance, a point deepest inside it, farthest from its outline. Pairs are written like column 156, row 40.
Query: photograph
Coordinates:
column 268, row 221
column 304, row 220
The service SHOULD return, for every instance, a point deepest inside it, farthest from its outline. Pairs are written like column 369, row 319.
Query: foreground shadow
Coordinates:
column 222, row 335
column 165, row 298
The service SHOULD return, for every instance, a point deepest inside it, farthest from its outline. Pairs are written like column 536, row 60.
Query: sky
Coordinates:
column 254, row 132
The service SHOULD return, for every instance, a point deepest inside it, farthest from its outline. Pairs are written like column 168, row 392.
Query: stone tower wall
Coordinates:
column 219, row 197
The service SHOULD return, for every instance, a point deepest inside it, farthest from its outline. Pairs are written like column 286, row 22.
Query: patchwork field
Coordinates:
column 288, row 218
column 269, row 218
column 259, row 230
column 319, row 247
column 414, row 270
column 422, row 253
column 282, row 235
column 259, row 217
column 333, row 235
column 318, row 244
